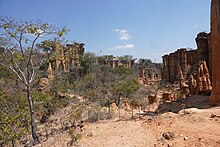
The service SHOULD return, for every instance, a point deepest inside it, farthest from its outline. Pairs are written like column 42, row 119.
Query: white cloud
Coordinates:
column 123, row 34
column 127, row 46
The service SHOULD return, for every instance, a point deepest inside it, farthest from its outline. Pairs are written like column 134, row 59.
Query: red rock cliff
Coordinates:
column 215, row 45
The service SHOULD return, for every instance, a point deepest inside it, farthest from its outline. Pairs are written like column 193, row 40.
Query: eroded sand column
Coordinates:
column 215, row 45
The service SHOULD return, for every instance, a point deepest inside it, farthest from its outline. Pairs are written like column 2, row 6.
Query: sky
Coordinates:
column 142, row 28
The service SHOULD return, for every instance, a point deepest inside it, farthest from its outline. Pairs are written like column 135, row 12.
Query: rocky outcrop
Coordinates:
column 50, row 72
column 74, row 54
column 65, row 58
column 202, row 41
column 44, row 85
column 183, row 58
column 148, row 71
column 187, row 59
column 115, row 62
column 184, row 88
column 215, row 45
column 168, row 96
column 149, row 76
column 203, row 79
column 152, row 99
column 192, row 85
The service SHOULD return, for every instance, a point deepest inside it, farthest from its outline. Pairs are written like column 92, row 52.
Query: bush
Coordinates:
column 93, row 115
column 14, row 120
column 74, row 135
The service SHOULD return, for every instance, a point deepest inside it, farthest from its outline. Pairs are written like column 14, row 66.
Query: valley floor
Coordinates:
column 191, row 127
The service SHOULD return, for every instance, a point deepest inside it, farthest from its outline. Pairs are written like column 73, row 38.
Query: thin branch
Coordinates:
column 21, row 46
column 33, row 71
column 32, row 46
column 18, row 68
column 10, row 67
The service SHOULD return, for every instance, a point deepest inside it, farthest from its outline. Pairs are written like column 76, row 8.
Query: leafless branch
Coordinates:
column 23, row 78
column 10, row 67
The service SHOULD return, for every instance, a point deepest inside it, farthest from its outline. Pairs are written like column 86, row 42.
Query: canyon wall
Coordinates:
column 182, row 58
column 215, row 45
column 187, row 59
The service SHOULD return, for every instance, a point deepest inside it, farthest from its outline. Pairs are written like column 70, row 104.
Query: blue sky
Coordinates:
column 142, row 28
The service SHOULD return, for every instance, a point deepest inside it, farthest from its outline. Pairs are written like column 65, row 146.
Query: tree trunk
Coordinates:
column 119, row 115
column 109, row 105
column 132, row 113
column 139, row 111
column 109, row 109
column 12, row 143
column 33, row 123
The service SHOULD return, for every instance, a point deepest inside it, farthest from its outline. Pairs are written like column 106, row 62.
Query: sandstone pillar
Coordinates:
column 215, row 45
column 202, row 47
column 50, row 72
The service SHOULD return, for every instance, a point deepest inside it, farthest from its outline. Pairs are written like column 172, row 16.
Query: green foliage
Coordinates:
column 59, row 84
column 126, row 86
column 86, row 86
column 87, row 62
column 19, row 57
column 14, row 120
column 120, row 70
column 126, row 57
column 96, row 112
column 93, row 114
column 55, row 104
column 41, row 97
column 63, row 31
column 104, row 102
column 104, row 58
column 74, row 135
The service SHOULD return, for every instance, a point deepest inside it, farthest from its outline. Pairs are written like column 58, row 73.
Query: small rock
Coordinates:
column 90, row 134
column 181, row 135
column 214, row 116
column 168, row 135
column 185, row 138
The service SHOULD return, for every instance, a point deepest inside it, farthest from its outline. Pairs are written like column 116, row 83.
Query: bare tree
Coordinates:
column 20, row 38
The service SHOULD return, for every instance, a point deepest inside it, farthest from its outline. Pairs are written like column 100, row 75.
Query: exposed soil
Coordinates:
column 193, row 126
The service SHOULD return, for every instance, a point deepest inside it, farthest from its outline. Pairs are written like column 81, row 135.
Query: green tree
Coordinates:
column 21, row 37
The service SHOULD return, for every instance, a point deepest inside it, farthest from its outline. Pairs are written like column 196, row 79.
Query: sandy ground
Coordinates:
column 192, row 127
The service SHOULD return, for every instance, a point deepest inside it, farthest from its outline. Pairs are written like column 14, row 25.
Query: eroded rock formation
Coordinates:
column 44, row 84
column 202, row 41
column 192, row 85
column 215, row 45
column 115, row 62
column 50, row 72
column 149, row 76
column 187, row 59
column 184, row 88
column 65, row 58
column 168, row 96
column 203, row 79
column 182, row 58
column 152, row 99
